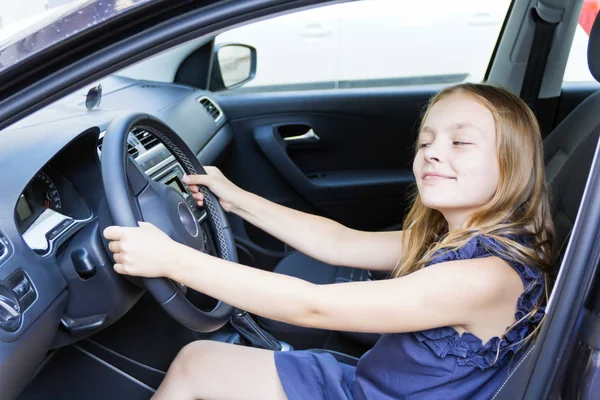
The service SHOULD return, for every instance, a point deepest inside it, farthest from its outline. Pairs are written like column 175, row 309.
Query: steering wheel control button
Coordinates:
column 190, row 202
column 187, row 219
column 201, row 216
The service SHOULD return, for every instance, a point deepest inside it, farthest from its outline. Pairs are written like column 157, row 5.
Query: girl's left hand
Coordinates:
column 145, row 251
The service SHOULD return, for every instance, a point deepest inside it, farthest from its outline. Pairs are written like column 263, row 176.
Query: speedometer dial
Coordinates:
column 45, row 192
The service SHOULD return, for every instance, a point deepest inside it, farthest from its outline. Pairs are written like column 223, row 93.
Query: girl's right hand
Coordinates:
column 223, row 188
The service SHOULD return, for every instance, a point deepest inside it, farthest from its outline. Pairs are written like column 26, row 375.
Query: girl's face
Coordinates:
column 456, row 166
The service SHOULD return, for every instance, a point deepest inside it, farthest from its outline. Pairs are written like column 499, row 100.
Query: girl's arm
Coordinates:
column 445, row 294
column 317, row 237
column 321, row 238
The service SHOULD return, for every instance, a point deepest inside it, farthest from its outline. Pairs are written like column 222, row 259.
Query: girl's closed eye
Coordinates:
column 424, row 145
column 460, row 143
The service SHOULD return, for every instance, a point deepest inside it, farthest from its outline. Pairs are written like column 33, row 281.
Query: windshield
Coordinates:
column 30, row 26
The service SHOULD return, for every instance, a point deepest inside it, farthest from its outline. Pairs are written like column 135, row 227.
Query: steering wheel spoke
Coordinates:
column 138, row 180
column 209, row 243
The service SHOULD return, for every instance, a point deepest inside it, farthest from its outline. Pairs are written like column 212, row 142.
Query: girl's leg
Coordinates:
column 212, row 370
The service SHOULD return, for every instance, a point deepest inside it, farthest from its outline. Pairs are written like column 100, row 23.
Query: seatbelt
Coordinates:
column 538, row 58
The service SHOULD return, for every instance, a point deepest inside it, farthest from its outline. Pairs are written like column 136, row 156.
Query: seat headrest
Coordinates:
column 594, row 49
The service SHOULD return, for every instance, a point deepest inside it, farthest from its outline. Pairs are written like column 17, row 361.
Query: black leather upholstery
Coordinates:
column 569, row 150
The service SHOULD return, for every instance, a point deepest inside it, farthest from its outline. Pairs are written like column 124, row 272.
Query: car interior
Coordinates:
column 72, row 328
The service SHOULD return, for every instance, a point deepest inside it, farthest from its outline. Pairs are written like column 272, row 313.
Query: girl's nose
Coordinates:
column 431, row 154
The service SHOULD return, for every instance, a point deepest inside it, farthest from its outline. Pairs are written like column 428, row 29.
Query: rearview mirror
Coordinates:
column 233, row 66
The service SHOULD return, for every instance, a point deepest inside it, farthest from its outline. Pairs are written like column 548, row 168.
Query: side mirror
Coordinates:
column 233, row 65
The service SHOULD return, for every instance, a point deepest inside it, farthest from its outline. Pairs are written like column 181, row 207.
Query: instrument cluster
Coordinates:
column 48, row 208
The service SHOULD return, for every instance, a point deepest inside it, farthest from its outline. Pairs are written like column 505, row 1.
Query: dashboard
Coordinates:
column 57, row 284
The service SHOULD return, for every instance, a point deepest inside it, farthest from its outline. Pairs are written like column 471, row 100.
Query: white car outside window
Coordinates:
column 378, row 43
column 375, row 43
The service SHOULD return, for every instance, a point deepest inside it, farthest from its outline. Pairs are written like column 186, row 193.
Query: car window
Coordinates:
column 577, row 67
column 373, row 43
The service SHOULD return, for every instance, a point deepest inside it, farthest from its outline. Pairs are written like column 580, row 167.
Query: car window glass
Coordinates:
column 373, row 43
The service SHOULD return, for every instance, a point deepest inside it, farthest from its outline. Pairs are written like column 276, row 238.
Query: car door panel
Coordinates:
column 326, row 186
column 358, row 172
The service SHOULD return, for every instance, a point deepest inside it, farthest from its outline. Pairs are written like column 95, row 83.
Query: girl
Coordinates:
column 469, row 271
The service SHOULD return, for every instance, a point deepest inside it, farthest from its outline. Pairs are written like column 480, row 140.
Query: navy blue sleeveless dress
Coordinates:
column 432, row 364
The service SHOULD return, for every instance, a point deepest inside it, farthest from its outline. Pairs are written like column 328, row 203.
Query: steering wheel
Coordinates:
column 132, row 196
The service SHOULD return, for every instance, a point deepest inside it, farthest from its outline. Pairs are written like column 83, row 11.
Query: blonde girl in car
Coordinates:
column 469, row 271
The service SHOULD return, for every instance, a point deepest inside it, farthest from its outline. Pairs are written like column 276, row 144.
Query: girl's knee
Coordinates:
column 192, row 365
column 190, row 357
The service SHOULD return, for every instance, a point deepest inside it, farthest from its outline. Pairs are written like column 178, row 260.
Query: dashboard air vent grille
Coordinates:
column 131, row 149
column 145, row 138
column 212, row 109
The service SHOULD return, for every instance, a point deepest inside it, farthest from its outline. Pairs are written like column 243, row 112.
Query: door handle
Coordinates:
column 309, row 137
column 269, row 140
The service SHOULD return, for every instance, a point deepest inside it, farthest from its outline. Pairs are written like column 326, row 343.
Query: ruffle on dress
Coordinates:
column 467, row 347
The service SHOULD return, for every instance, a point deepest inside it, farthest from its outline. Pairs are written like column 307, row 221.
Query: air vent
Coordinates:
column 3, row 246
column 130, row 148
column 211, row 107
column 145, row 138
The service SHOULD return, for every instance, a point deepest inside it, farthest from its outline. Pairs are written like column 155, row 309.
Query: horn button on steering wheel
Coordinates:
column 187, row 218
column 182, row 218
column 179, row 221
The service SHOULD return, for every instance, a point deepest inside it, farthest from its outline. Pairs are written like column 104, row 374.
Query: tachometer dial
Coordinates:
column 45, row 191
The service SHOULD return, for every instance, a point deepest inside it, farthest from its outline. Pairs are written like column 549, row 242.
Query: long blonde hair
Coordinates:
column 519, row 207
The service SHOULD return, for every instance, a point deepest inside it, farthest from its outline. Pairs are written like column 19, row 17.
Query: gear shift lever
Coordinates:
column 252, row 333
